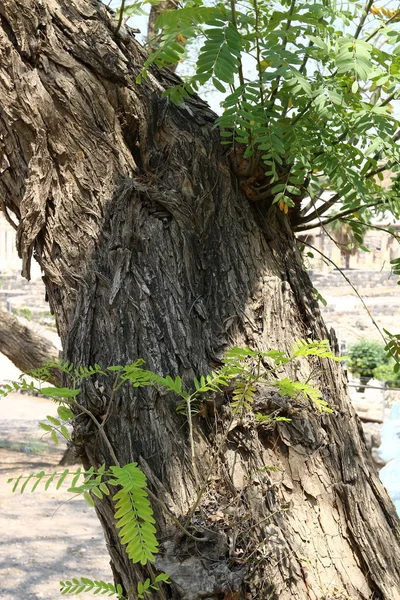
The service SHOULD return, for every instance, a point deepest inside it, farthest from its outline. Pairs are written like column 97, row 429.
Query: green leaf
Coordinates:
column 62, row 478
column 45, row 427
column 134, row 514
column 54, row 392
column 65, row 413
column 64, row 431
column 88, row 498
column 218, row 85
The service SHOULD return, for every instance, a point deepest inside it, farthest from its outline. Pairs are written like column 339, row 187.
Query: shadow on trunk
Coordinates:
column 151, row 250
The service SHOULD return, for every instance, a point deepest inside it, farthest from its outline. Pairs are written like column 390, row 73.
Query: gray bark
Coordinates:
column 26, row 348
column 151, row 250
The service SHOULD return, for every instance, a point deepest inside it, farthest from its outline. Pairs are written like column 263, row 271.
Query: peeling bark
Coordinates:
column 150, row 249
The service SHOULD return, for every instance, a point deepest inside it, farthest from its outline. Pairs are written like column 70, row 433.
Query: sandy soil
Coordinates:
column 45, row 536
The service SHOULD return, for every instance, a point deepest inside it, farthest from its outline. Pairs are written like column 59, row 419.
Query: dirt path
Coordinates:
column 45, row 536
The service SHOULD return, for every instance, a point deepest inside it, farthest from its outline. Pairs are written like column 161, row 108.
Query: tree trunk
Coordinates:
column 150, row 250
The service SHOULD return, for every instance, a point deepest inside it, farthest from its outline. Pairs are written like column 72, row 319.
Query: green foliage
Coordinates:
column 16, row 386
column 393, row 349
column 46, row 479
column 319, row 297
column 144, row 588
column 83, row 584
column 93, row 481
column 395, row 263
column 242, row 371
column 247, row 368
column 295, row 389
column 316, row 110
column 134, row 514
column 57, row 426
column 388, row 374
column 365, row 356
column 243, row 396
column 270, row 419
column 74, row 373
column 310, row 347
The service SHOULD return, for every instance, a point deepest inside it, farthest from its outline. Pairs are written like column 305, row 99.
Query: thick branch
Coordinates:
column 23, row 346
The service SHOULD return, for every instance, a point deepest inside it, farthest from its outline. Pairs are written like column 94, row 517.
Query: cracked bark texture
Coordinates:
column 26, row 348
column 150, row 250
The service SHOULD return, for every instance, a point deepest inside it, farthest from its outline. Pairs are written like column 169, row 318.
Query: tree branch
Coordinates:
column 121, row 16
column 363, row 18
column 24, row 347
column 320, row 223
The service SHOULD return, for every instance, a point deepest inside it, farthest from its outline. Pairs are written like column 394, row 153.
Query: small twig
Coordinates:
column 174, row 519
column 111, row 401
column 305, row 224
column 121, row 16
column 250, row 381
column 377, row 30
column 367, row 8
column 117, row 464
column 191, row 439
column 234, row 23
column 102, row 432
column 378, row 227
column 258, row 50
column 274, row 92
column 280, row 510
column 152, row 573
column 351, row 285
column 209, row 473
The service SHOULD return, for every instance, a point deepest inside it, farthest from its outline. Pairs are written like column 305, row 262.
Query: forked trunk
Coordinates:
column 150, row 250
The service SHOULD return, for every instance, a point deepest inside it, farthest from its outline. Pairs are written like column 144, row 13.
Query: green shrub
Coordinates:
column 365, row 356
column 387, row 374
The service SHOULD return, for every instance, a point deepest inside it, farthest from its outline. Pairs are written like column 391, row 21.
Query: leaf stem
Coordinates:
column 350, row 284
column 274, row 92
column 258, row 50
column 305, row 224
column 365, row 14
column 234, row 23
column 117, row 464
column 121, row 16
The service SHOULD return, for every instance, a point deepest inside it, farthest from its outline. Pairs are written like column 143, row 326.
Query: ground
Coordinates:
column 45, row 536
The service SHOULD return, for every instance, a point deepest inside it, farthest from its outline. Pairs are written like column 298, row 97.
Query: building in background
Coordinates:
column 383, row 248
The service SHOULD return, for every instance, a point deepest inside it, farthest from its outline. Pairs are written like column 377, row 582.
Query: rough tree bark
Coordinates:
column 150, row 250
column 26, row 348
